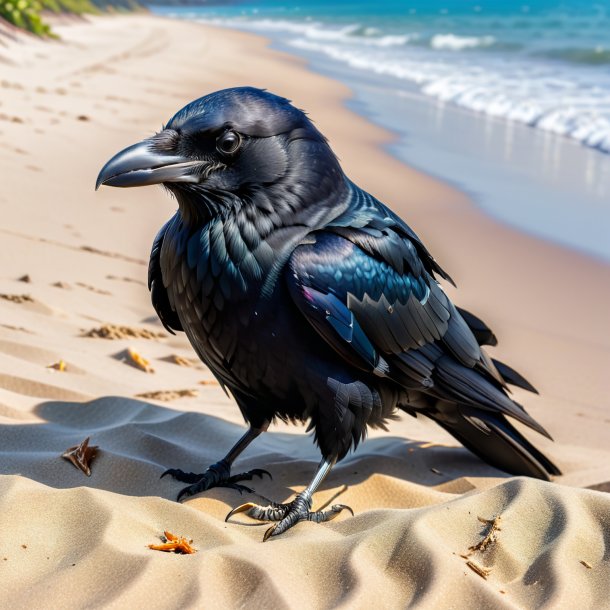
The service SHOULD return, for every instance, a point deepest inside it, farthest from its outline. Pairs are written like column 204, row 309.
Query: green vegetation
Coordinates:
column 29, row 14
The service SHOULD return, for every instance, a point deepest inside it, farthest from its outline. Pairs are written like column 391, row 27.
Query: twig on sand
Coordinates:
column 491, row 535
column 482, row 571
column 490, row 538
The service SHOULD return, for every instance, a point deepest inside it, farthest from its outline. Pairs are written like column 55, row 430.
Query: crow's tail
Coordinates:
column 490, row 436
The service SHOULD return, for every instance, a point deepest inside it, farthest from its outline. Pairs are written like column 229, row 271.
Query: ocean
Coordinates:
column 509, row 101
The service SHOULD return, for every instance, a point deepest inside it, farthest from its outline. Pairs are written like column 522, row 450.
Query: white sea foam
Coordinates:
column 452, row 42
column 537, row 97
column 314, row 30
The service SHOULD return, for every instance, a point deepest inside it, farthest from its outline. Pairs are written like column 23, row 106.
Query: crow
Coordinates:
column 309, row 299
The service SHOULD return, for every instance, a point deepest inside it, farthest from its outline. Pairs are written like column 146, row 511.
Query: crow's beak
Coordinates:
column 141, row 165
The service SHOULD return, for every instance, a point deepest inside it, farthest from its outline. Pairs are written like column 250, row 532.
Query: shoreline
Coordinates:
column 66, row 109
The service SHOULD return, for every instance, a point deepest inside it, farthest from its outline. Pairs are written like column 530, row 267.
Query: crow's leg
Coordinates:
column 299, row 509
column 219, row 474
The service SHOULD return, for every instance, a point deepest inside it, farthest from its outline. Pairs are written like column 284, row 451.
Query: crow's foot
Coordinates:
column 289, row 514
column 217, row 475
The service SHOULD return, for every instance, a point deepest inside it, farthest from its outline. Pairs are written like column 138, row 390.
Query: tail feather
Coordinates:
column 491, row 437
column 482, row 333
column 512, row 377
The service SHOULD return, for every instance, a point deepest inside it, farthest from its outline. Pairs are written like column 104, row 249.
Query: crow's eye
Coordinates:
column 228, row 143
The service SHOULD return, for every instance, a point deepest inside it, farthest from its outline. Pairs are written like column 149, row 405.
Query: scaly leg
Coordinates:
column 299, row 509
column 219, row 474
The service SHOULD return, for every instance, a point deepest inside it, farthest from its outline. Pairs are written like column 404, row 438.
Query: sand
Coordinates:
column 71, row 541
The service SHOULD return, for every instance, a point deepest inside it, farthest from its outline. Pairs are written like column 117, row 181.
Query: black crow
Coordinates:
column 308, row 298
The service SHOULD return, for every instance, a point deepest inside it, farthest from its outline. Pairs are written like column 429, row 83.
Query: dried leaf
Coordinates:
column 81, row 456
column 586, row 564
column 175, row 544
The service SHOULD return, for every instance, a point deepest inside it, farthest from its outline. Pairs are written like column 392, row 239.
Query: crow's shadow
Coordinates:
column 139, row 440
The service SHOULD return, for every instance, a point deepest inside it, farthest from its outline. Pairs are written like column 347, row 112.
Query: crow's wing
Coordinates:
column 158, row 293
column 369, row 295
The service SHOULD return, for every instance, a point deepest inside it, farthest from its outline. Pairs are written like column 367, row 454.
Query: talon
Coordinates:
column 240, row 488
column 180, row 475
column 248, row 476
column 269, row 533
column 331, row 513
column 184, row 493
column 240, row 509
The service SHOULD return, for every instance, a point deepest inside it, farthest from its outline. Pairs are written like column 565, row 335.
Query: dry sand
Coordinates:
column 68, row 541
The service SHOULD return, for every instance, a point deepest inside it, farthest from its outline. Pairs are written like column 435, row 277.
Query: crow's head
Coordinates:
column 230, row 144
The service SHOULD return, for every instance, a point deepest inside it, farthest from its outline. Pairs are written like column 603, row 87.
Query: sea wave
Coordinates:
column 453, row 42
column 595, row 56
column 537, row 97
column 313, row 30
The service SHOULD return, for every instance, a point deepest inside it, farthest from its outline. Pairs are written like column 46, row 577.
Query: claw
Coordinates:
column 240, row 509
column 184, row 493
column 240, row 488
column 217, row 475
column 180, row 475
column 287, row 515
column 269, row 533
column 248, row 476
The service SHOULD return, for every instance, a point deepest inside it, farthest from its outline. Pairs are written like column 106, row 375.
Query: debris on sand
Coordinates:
column 114, row 332
column 81, row 456
column 135, row 359
column 93, row 289
column 491, row 536
column 168, row 395
column 17, row 298
column 59, row 366
column 482, row 571
column 174, row 544
column 181, row 360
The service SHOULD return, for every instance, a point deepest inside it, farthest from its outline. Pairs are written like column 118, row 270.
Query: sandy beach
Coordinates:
column 74, row 261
